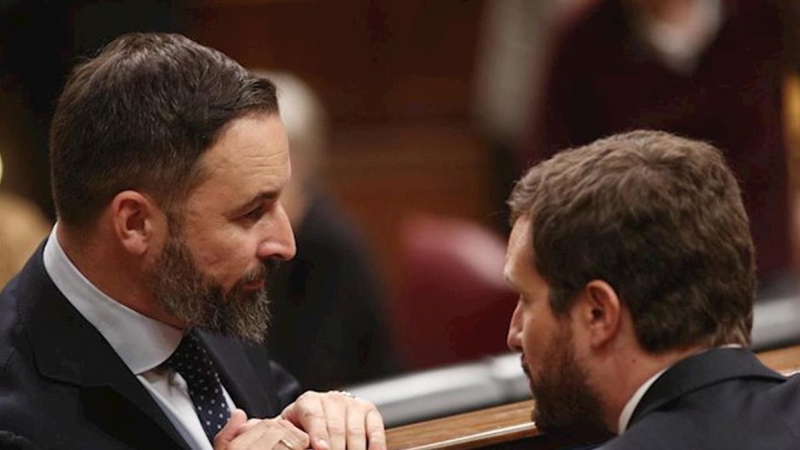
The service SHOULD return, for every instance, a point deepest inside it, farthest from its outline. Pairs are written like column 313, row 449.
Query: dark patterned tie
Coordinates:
column 195, row 366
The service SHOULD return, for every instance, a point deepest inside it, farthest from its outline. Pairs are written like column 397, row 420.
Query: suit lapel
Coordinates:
column 699, row 371
column 70, row 350
column 238, row 375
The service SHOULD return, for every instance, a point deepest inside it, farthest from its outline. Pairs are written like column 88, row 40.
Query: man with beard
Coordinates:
column 635, row 270
column 125, row 328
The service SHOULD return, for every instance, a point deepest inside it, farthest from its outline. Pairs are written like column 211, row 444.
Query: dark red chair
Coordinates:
column 454, row 304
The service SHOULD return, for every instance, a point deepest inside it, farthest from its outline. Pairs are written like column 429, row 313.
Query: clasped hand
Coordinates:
column 322, row 421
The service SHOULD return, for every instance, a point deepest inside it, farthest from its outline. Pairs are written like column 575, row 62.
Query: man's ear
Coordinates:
column 600, row 312
column 136, row 221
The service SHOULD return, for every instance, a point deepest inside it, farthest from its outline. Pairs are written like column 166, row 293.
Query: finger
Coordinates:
column 356, row 426
column 335, row 405
column 223, row 439
column 376, row 432
column 308, row 414
column 301, row 437
column 250, row 423
column 263, row 435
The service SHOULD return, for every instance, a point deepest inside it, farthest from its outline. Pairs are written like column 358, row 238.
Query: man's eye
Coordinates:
column 254, row 214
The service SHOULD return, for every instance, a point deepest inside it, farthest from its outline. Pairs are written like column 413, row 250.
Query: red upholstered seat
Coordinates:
column 455, row 305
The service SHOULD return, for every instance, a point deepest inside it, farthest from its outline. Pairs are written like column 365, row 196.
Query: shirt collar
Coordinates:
column 141, row 342
column 630, row 407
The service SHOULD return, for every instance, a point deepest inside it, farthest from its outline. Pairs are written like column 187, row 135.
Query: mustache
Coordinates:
column 263, row 271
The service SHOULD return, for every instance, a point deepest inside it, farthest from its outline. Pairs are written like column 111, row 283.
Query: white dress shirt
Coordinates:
column 630, row 407
column 142, row 343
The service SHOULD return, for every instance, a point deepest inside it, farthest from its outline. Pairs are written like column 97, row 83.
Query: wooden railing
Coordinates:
column 505, row 424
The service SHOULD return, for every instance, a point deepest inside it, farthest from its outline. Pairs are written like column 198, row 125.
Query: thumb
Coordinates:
column 230, row 430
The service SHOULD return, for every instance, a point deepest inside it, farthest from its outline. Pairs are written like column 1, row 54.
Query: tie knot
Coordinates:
column 191, row 360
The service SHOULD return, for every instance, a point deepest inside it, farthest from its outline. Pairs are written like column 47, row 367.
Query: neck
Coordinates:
column 114, row 272
column 629, row 371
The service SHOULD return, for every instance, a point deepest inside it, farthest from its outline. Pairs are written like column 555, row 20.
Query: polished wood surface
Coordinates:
column 478, row 428
column 504, row 424
column 784, row 360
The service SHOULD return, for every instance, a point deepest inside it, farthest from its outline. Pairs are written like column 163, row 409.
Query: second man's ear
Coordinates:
column 600, row 312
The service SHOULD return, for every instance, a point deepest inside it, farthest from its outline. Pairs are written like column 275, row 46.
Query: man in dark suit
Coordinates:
column 127, row 328
column 636, row 276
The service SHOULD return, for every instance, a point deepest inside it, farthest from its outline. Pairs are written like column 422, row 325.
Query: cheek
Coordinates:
column 225, row 258
column 534, row 342
column 529, row 338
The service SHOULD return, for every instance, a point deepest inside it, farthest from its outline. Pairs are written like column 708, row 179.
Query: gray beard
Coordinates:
column 194, row 299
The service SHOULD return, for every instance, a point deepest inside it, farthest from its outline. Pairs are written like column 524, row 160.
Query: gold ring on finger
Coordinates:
column 286, row 443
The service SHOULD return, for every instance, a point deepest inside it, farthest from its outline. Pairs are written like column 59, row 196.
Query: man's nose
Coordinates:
column 279, row 239
column 514, row 338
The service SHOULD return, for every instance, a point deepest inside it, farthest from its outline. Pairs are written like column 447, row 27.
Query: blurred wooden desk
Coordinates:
column 508, row 423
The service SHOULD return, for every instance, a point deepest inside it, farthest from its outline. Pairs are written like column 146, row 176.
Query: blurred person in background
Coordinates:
column 706, row 69
column 515, row 36
column 22, row 228
column 328, row 325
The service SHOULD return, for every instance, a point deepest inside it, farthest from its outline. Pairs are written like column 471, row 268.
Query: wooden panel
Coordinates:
column 383, row 174
column 791, row 106
column 366, row 58
column 507, row 423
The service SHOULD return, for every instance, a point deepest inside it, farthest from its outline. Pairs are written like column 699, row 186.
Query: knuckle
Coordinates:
column 355, row 429
column 336, row 426
column 305, row 397
column 266, row 424
column 310, row 414
column 377, row 438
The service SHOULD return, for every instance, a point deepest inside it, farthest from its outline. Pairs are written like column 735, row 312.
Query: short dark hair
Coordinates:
column 139, row 115
column 659, row 218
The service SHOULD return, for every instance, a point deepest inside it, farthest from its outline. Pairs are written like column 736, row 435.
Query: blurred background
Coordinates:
column 430, row 111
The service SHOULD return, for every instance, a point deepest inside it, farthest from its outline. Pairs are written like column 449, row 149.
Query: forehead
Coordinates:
column 251, row 157
column 519, row 253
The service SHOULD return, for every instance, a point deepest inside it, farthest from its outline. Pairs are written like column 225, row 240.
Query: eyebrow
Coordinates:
column 267, row 196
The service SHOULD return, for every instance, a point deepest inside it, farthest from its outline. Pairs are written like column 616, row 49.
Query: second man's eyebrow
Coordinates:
column 507, row 277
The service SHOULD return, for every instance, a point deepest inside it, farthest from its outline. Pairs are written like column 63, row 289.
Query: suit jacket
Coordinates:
column 720, row 399
column 62, row 386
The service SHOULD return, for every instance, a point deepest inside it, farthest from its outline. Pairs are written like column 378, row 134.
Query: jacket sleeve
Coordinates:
column 11, row 441
column 288, row 387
